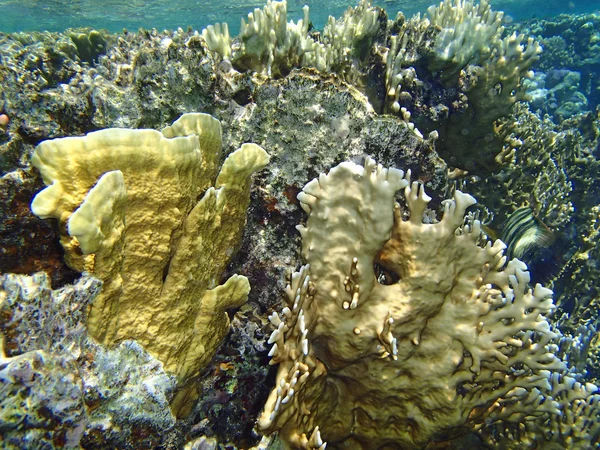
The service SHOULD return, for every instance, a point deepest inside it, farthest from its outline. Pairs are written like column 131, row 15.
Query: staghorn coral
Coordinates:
column 399, row 332
column 138, row 210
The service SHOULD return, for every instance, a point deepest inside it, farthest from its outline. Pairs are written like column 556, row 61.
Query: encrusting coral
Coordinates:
column 399, row 330
column 137, row 209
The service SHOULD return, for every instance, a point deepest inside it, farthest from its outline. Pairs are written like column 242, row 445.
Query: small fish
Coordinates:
column 527, row 238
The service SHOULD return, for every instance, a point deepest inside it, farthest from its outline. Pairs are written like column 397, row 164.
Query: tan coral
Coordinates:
column 270, row 45
column 576, row 427
column 151, row 225
column 468, row 31
column 399, row 332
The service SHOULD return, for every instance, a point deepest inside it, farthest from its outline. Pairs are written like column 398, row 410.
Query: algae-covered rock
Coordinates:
column 58, row 388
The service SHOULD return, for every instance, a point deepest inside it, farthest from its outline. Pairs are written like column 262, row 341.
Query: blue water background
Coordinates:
column 113, row 15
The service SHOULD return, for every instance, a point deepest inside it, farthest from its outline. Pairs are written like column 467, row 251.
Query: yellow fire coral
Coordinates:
column 137, row 208
column 398, row 332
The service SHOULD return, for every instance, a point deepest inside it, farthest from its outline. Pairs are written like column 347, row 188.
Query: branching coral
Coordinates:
column 408, row 42
column 470, row 51
column 473, row 74
column 271, row 45
column 399, row 332
column 535, row 178
column 468, row 33
column 137, row 209
column 577, row 426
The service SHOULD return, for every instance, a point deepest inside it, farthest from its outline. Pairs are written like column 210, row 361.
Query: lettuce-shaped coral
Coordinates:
column 398, row 332
column 142, row 211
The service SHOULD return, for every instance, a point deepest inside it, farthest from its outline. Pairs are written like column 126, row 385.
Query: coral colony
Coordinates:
column 403, row 322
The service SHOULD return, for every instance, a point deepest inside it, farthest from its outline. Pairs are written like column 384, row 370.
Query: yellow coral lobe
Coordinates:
column 143, row 207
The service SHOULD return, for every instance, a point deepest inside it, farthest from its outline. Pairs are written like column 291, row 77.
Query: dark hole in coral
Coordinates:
column 463, row 389
column 165, row 271
column 385, row 276
column 508, row 320
column 243, row 97
column 518, row 367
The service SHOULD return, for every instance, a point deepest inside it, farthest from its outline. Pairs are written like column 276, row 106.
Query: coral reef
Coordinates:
column 426, row 93
column 536, row 177
column 555, row 174
column 460, row 50
column 303, row 114
column 570, row 43
column 491, row 69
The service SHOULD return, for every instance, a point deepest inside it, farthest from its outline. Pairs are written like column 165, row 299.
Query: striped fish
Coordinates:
column 527, row 238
